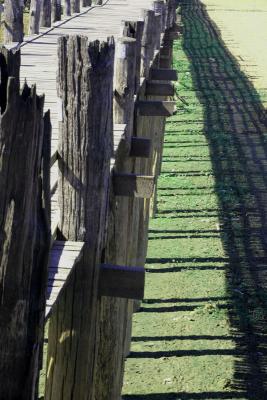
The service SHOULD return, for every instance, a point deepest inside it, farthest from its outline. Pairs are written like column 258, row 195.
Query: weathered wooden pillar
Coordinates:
column 24, row 232
column 113, row 312
column 85, row 148
column 55, row 10
column 135, row 30
column 75, row 6
column 45, row 19
column 13, row 25
column 147, row 49
column 125, row 83
column 35, row 14
column 86, row 3
column 67, row 7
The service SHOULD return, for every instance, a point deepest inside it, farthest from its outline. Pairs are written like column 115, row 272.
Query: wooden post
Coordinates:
column 46, row 14
column 135, row 30
column 24, row 234
column 125, row 83
column 159, row 8
column 67, row 8
column 110, row 356
column 75, row 6
column 13, row 25
column 85, row 147
column 55, row 10
column 35, row 13
column 86, row 3
column 147, row 50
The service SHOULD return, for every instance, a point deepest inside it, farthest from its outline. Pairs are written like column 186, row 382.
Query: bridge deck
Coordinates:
column 39, row 66
column 39, row 58
column 39, row 53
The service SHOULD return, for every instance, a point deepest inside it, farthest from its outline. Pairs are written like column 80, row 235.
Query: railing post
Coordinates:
column 75, row 6
column 67, row 8
column 85, row 87
column 35, row 14
column 13, row 25
column 86, row 3
column 111, row 336
column 147, row 50
column 55, row 10
column 45, row 19
column 125, row 83
column 24, row 232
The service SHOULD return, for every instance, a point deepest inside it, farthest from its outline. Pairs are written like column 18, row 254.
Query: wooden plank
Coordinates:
column 140, row 147
column 63, row 257
column 133, row 185
column 159, row 88
column 163, row 74
column 154, row 108
column 121, row 281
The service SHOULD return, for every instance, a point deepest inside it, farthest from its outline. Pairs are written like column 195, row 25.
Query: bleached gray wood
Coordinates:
column 124, row 85
column 63, row 257
column 24, row 231
column 45, row 18
column 85, row 148
column 35, row 14
column 13, row 25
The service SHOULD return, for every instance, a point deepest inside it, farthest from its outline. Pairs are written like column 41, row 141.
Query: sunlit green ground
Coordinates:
column 201, row 331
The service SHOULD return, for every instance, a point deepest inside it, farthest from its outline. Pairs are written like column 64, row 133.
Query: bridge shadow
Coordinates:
column 236, row 130
column 235, row 125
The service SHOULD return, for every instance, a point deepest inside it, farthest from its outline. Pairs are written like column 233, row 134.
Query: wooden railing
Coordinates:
column 42, row 14
column 85, row 269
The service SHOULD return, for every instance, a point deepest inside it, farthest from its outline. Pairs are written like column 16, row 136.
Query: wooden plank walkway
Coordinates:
column 39, row 60
column 39, row 63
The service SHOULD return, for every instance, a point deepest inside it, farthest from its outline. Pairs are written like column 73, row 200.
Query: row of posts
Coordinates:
column 89, row 335
column 43, row 13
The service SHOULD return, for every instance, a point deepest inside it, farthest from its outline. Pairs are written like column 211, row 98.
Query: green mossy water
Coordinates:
column 200, row 333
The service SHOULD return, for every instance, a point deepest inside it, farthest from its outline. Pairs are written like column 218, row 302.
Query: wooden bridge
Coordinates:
column 80, row 178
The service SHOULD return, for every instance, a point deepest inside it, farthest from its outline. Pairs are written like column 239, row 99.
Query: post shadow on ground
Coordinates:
column 236, row 130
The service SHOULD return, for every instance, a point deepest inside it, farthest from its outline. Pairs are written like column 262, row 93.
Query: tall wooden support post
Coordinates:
column 55, row 10
column 86, row 3
column 160, row 8
column 75, row 6
column 143, row 129
column 35, row 14
column 24, row 232
column 113, row 312
column 135, row 29
column 67, row 8
column 147, row 50
column 13, row 25
column 45, row 18
column 85, row 148
column 125, row 83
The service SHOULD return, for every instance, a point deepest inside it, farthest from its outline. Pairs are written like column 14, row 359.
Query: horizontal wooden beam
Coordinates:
column 155, row 108
column 132, row 185
column 159, row 89
column 140, row 147
column 63, row 257
column 163, row 74
column 121, row 281
column 173, row 35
